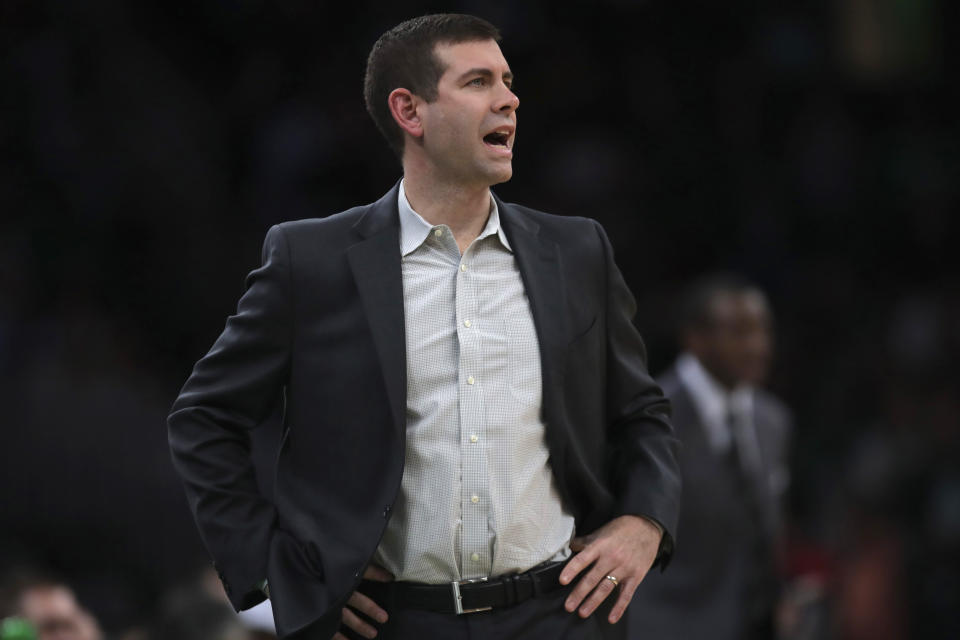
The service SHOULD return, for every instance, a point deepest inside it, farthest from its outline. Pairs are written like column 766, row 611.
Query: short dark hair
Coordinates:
column 404, row 57
column 695, row 305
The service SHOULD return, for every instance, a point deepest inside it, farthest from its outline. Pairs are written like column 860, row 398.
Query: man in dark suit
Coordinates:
column 722, row 583
column 463, row 391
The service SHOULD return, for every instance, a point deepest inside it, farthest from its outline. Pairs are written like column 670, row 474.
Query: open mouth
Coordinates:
column 498, row 139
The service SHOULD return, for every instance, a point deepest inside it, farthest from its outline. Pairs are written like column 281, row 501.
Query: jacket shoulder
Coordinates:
column 341, row 221
column 552, row 220
column 318, row 238
column 566, row 230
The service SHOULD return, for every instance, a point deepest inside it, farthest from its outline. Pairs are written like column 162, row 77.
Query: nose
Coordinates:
column 507, row 101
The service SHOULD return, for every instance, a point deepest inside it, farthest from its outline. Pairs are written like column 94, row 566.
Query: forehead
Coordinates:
column 741, row 305
column 478, row 54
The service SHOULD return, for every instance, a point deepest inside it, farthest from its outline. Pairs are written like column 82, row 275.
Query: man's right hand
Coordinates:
column 364, row 605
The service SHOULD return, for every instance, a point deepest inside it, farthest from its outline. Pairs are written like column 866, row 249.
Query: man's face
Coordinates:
column 738, row 344
column 469, row 130
column 56, row 615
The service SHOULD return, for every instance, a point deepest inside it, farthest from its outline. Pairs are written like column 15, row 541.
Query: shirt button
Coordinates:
column 463, row 267
column 470, row 380
column 474, row 438
column 475, row 557
column 438, row 232
column 467, row 323
column 474, row 499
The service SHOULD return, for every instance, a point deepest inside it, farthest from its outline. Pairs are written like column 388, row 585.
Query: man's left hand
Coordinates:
column 624, row 548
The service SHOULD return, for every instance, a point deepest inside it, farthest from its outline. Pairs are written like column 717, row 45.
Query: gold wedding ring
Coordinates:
column 612, row 579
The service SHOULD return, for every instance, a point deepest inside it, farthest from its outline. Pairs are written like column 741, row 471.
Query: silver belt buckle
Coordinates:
column 458, row 599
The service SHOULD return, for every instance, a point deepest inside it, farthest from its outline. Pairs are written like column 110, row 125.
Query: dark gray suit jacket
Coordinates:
column 322, row 324
column 704, row 595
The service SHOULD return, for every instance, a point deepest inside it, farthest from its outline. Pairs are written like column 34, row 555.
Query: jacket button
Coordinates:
column 386, row 511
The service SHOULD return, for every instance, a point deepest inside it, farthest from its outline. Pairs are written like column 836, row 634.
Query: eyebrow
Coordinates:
column 486, row 73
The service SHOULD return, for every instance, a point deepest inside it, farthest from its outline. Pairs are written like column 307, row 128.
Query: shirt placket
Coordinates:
column 475, row 559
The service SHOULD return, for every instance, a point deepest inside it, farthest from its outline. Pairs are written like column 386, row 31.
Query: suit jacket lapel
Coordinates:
column 375, row 262
column 539, row 261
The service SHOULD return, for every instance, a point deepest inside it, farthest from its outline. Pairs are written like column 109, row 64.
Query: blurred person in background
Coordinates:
column 50, row 606
column 722, row 583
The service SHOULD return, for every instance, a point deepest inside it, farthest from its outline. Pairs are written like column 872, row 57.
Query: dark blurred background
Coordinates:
column 146, row 147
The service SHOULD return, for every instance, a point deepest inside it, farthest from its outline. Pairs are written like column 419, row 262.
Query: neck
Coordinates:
column 463, row 208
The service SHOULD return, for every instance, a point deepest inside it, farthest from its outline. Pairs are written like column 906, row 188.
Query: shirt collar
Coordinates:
column 712, row 400
column 414, row 229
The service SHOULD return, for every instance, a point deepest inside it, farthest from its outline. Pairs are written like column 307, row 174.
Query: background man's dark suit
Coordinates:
column 708, row 592
column 323, row 321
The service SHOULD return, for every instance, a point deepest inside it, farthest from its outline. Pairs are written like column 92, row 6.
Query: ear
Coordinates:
column 404, row 109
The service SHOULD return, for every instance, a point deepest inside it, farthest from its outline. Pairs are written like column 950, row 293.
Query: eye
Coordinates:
column 478, row 82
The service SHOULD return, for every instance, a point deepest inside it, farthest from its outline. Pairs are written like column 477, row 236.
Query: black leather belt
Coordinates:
column 471, row 596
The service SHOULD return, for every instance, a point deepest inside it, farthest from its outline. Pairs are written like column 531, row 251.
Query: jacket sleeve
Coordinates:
column 646, row 476
column 232, row 390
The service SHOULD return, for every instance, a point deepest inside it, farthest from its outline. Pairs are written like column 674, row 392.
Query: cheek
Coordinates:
column 452, row 133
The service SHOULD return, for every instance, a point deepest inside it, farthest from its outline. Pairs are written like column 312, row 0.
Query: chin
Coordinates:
column 501, row 175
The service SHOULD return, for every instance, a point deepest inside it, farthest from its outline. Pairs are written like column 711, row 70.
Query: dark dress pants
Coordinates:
column 538, row 618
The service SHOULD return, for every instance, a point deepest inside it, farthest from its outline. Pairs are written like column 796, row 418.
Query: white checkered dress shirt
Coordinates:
column 477, row 497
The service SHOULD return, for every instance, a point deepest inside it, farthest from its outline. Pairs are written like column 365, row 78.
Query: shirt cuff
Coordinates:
column 654, row 523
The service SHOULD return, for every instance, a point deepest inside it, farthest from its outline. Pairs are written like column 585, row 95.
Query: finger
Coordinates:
column 577, row 564
column 339, row 636
column 585, row 585
column 603, row 589
column 626, row 596
column 377, row 574
column 365, row 605
column 577, row 544
column 354, row 622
